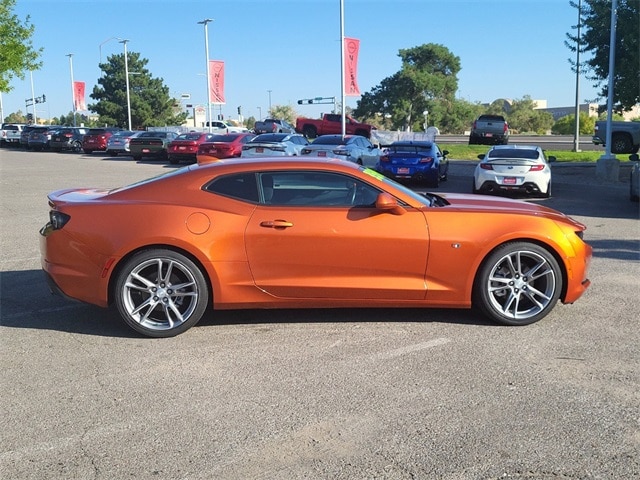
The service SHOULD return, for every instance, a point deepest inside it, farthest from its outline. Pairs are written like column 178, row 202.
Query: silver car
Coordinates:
column 354, row 148
column 275, row 145
column 118, row 143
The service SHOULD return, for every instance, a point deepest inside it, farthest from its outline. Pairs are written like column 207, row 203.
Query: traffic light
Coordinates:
column 44, row 98
column 240, row 110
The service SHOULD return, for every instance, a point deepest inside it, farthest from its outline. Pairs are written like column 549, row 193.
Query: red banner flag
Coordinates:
column 216, row 76
column 78, row 96
column 351, row 49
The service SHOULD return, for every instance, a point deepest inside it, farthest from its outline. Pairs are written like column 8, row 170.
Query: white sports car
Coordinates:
column 514, row 168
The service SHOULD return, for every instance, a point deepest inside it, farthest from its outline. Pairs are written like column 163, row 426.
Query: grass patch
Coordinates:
column 471, row 152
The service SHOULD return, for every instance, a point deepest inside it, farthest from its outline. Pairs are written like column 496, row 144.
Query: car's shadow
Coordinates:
column 41, row 310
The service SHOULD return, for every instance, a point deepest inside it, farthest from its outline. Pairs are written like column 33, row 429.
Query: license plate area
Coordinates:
column 509, row 180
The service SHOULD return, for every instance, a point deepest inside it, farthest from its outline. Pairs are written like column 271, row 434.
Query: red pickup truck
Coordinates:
column 331, row 123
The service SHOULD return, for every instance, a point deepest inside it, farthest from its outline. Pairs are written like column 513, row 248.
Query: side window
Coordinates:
column 317, row 189
column 241, row 186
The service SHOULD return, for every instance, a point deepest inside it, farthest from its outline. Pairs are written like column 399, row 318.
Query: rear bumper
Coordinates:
column 529, row 188
column 414, row 174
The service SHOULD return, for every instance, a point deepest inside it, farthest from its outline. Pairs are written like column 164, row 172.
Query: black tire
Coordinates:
column 435, row 183
column 76, row 147
column 309, row 131
column 160, row 293
column 473, row 187
column 621, row 143
column 518, row 283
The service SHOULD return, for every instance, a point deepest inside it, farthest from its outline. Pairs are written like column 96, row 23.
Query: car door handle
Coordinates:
column 276, row 224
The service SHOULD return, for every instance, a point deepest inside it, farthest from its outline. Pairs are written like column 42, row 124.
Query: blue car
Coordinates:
column 417, row 161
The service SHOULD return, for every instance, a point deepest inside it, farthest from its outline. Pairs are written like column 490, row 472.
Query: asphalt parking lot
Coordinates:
column 318, row 394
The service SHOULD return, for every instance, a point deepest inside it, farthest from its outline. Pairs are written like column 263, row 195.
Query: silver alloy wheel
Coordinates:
column 160, row 294
column 521, row 285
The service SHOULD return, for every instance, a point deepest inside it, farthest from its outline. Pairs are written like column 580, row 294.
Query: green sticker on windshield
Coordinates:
column 374, row 174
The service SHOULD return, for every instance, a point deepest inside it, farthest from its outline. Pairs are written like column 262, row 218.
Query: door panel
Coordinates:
column 338, row 252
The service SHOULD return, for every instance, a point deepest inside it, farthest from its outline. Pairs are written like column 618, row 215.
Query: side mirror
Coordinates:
column 388, row 203
column 634, row 157
column 481, row 156
column 445, row 152
column 551, row 158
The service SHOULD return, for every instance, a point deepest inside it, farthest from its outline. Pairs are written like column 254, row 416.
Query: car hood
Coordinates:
column 481, row 203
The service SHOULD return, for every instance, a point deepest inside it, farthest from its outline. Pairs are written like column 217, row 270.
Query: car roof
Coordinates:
column 411, row 143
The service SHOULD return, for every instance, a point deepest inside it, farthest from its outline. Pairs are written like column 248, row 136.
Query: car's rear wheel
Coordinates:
column 518, row 284
column 621, row 143
column 309, row 131
column 76, row 146
column 161, row 293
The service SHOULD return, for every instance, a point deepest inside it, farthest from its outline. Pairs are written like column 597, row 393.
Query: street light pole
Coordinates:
column 259, row 113
column 205, row 22
column 126, row 75
column 73, row 96
column 33, row 99
column 576, row 138
column 269, row 112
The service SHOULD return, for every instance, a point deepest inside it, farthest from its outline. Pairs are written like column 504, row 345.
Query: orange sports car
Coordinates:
column 292, row 233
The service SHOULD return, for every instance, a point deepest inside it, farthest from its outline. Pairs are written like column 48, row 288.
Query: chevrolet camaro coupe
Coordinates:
column 304, row 233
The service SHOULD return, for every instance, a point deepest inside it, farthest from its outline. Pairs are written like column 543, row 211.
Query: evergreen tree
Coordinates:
column 151, row 104
column 595, row 33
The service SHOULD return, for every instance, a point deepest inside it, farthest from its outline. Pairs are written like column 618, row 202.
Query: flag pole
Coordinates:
column 343, row 92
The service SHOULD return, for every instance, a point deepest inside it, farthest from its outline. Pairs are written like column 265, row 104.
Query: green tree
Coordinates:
column 17, row 54
column 595, row 33
column 525, row 118
column 67, row 120
column 427, row 81
column 250, row 122
column 16, row 117
column 567, row 125
column 283, row 112
column 151, row 104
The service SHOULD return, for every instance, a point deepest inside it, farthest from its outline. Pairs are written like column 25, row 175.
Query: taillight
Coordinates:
column 305, row 151
column 536, row 168
column 68, row 135
column 505, row 127
column 341, row 152
column 58, row 219
column 426, row 160
column 486, row 166
column 474, row 125
column 384, row 158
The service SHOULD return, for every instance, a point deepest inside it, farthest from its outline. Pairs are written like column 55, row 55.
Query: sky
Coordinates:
column 279, row 51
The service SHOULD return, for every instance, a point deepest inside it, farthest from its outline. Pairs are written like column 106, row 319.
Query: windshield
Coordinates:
column 337, row 140
column 528, row 154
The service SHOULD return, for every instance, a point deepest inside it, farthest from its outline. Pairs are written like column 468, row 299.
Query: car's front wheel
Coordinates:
column 518, row 284
column 161, row 293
